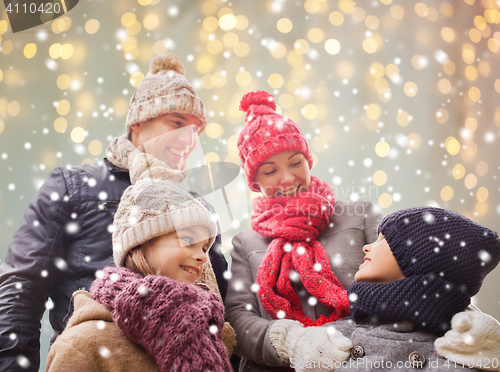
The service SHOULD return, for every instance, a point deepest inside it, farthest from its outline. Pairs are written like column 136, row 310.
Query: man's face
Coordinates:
column 170, row 138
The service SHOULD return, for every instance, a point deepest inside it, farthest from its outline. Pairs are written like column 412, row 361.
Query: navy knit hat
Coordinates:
column 440, row 243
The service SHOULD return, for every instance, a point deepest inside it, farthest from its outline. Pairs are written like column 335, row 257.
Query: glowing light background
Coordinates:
column 399, row 100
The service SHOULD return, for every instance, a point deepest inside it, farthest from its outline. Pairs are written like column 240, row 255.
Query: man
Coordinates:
column 65, row 234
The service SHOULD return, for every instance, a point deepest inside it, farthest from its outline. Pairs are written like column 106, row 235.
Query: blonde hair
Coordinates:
column 136, row 262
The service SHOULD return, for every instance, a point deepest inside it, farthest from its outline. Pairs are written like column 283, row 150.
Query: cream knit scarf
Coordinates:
column 122, row 153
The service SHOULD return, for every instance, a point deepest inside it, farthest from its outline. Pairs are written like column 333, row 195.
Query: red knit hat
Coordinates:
column 265, row 134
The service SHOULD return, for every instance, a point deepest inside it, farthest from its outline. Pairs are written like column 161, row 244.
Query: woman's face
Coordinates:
column 379, row 265
column 180, row 255
column 283, row 174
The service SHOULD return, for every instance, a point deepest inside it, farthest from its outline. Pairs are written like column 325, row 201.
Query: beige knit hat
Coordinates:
column 165, row 90
column 153, row 208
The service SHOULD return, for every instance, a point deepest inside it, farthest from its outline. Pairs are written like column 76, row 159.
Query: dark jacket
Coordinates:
column 63, row 239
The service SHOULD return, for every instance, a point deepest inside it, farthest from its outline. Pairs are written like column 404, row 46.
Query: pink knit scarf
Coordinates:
column 178, row 324
column 295, row 224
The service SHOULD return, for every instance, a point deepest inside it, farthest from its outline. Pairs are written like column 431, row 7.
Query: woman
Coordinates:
column 302, row 252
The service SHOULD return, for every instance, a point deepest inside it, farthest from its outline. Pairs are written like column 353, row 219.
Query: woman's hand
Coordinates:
column 473, row 341
column 309, row 349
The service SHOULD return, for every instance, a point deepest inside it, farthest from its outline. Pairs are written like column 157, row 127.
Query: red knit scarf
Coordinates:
column 295, row 223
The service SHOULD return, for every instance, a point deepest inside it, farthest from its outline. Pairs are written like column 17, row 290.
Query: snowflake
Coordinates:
column 338, row 260
column 60, row 264
column 255, row 287
column 23, row 361
column 331, row 330
column 294, row 276
column 104, row 352
column 484, row 256
column 72, row 228
column 312, row 301
column 143, row 290
column 429, row 217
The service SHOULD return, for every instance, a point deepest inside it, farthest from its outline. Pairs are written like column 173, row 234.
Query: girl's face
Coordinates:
column 180, row 255
column 283, row 174
column 379, row 265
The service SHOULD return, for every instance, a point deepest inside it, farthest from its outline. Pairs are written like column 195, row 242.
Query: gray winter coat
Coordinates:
column 351, row 227
column 395, row 347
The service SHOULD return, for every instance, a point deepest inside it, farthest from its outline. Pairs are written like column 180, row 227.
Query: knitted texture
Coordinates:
column 473, row 339
column 304, row 347
column 295, row 224
column 178, row 324
column 165, row 90
column 434, row 241
column 122, row 153
column 265, row 134
column 207, row 277
column 444, row 257
column 153, row 208
column 428, row 302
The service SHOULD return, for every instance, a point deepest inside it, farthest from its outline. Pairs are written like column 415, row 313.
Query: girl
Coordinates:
column 150, row 312
column 291, row 269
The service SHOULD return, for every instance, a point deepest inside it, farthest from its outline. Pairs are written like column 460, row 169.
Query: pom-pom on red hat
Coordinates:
column 266, row 133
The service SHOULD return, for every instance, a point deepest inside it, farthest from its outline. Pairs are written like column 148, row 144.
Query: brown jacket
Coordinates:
column 92, row 342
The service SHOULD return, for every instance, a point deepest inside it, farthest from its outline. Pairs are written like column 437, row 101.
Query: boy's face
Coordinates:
column 180, row 255
column 379, row 265
column 170, row 138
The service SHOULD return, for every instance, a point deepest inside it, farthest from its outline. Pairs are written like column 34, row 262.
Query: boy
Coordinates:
column 425, row 266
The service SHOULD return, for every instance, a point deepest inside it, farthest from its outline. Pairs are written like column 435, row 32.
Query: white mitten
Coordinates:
column 309, row 349
column 472, row 341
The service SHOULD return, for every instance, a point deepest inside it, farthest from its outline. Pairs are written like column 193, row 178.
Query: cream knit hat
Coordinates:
column 153, row 208
column 165, row 90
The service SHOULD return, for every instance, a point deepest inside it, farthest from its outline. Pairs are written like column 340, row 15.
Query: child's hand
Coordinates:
column 473, row 341
column 309, row 349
